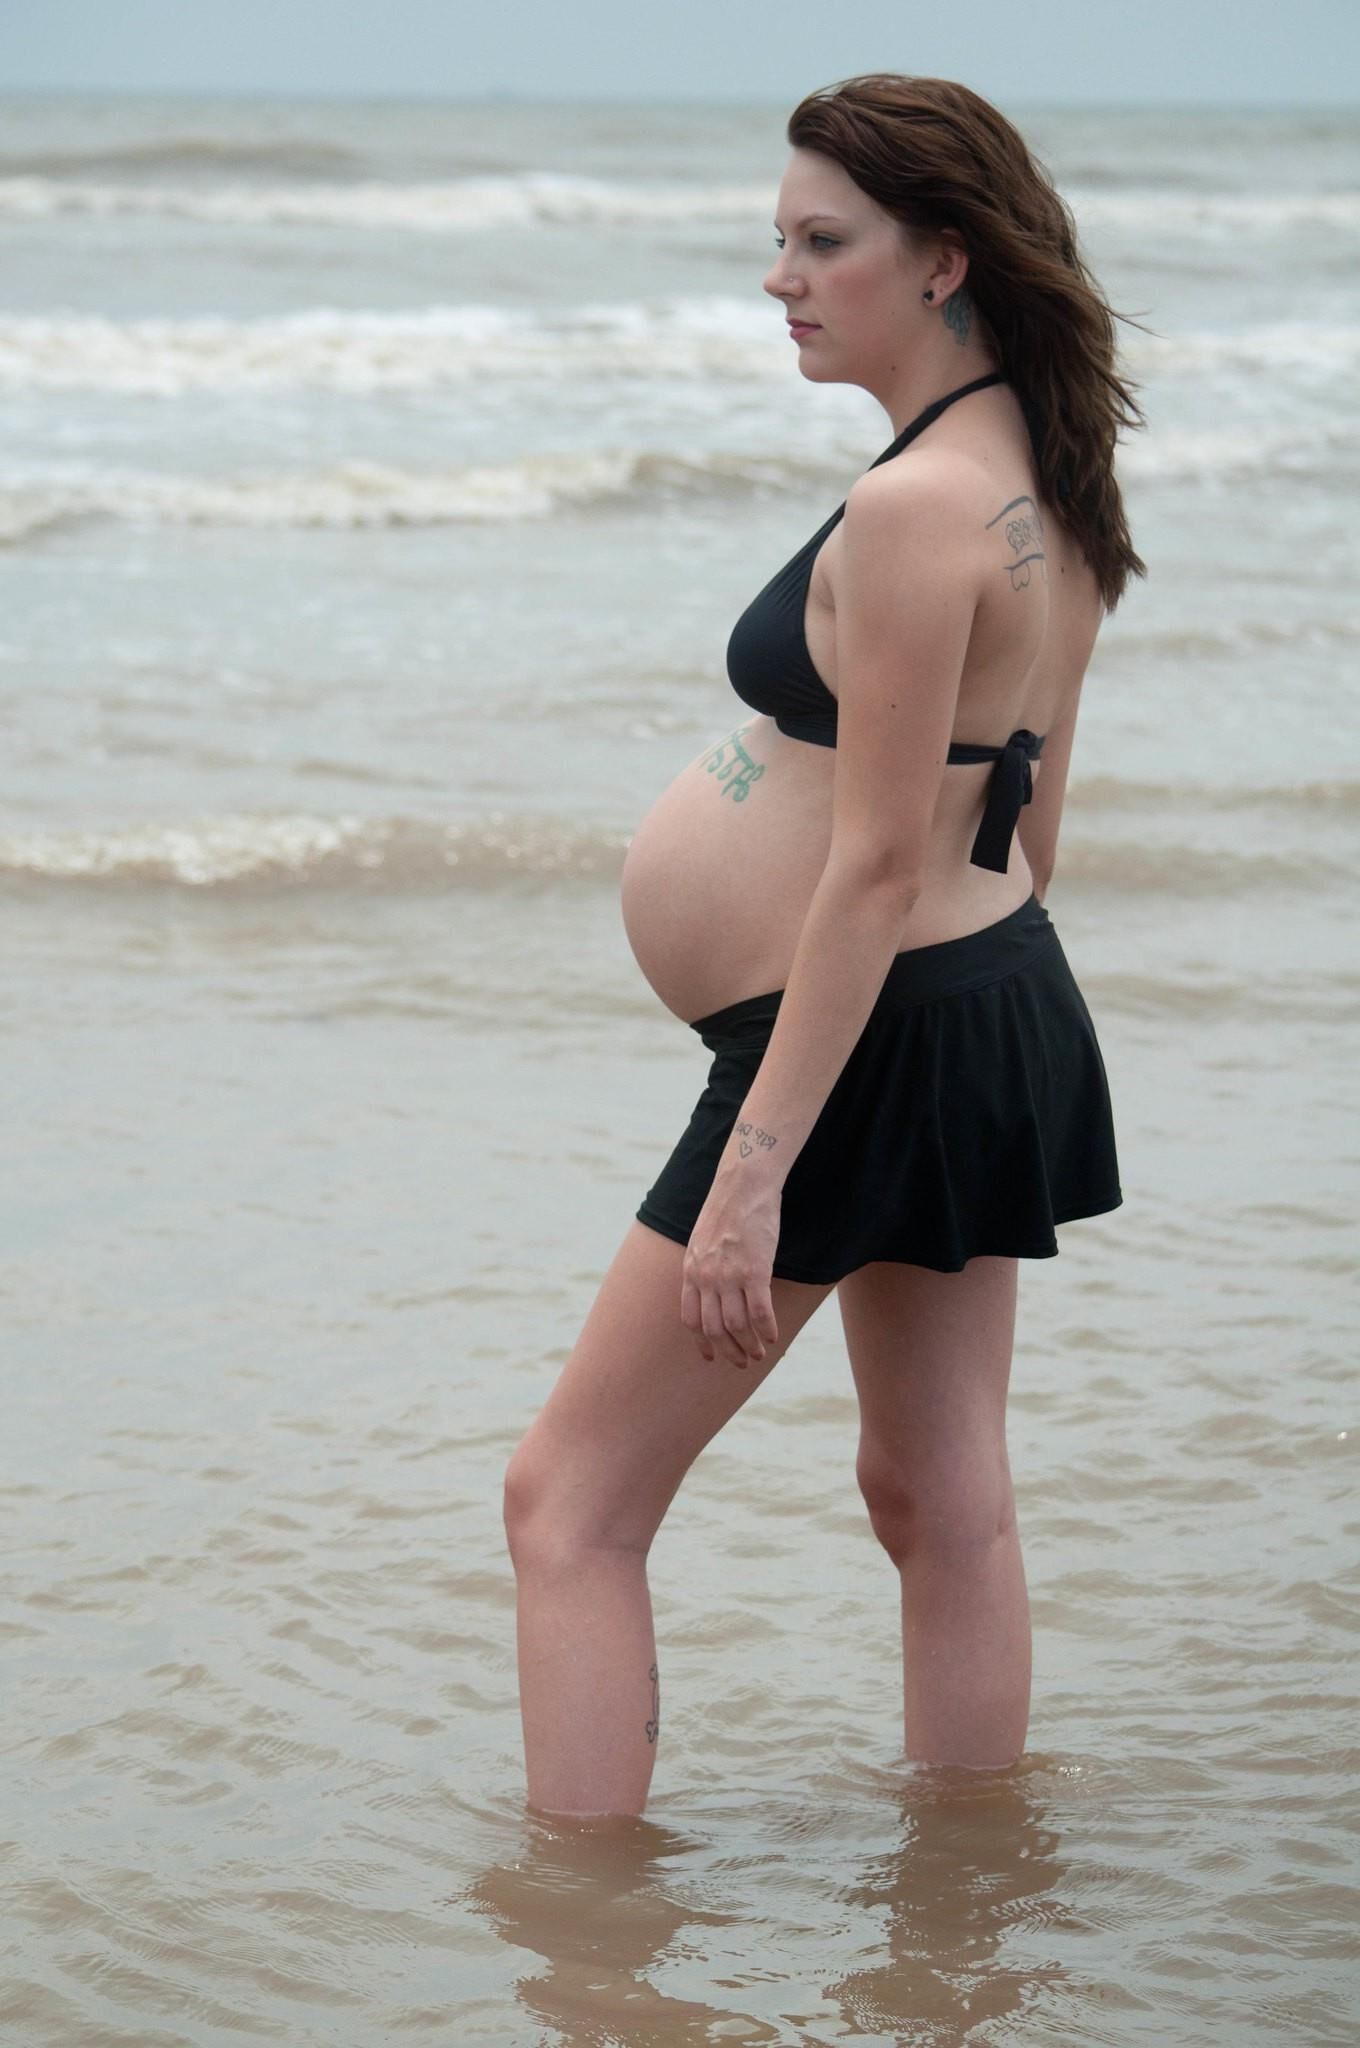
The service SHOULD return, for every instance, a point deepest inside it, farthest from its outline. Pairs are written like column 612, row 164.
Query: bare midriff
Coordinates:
column 720, row 874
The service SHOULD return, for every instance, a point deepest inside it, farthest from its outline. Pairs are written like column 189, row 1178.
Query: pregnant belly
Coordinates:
column 719, row 875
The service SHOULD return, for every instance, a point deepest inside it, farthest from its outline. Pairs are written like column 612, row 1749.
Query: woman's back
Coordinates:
column 1038, row 612
column 721, row 871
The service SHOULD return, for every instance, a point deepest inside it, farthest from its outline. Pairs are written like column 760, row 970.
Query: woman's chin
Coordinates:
column 818, row 373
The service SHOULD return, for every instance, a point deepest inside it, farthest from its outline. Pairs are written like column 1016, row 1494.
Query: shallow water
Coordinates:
column 363, row 583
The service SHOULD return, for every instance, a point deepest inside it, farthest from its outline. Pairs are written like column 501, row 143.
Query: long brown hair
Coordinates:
column 936, row 155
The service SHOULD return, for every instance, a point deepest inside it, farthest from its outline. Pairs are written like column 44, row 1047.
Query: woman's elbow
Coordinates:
column 886, row 872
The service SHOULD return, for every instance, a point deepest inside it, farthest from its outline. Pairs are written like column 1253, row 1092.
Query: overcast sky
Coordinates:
column 1214, row 52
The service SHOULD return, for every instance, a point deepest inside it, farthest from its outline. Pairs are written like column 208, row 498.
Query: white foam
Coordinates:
column 553, row 198
column 364, row 352
column 1222, row 456
column 352, row 495
column 1216, row 215
column 694, row 338
column 240, row 852
column 347, row 495
column 1312, row 348
column 454, row 206
column 205, row 852
column 241, row 848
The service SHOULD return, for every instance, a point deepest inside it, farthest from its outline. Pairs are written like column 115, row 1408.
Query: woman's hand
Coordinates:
column 725, row 1295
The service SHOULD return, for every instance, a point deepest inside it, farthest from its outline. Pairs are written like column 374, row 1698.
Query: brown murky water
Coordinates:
column 330, row 1087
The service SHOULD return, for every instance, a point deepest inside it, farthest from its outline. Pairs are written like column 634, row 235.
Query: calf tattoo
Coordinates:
column 655, row 1722
column 1025, row 532
column 751, row 1135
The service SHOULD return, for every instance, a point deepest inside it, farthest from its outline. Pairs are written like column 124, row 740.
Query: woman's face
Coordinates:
column 845, row 268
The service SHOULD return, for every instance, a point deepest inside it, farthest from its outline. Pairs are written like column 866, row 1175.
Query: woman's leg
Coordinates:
column 931, row 1356
column 584, row 1495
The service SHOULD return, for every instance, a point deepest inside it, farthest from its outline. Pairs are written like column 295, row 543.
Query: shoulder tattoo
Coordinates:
column 1024, row 531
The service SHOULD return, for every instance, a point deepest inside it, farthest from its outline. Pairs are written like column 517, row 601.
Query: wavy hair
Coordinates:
column 936, row 155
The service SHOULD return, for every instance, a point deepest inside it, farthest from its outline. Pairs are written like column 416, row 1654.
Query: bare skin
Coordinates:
column 585, row 1493
column 632, row 1409
column 666, row 1357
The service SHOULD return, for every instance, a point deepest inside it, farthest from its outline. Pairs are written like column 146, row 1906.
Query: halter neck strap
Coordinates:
column 932, row 412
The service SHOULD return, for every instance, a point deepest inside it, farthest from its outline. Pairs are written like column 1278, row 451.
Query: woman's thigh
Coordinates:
column 931, row 1358
column 634, row 1404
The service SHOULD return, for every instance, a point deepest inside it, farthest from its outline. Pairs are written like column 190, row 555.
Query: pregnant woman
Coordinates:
column 844, row 897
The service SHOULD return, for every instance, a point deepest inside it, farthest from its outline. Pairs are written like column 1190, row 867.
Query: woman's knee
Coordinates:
column 523, row 1496
column 554, row 1511
column 533, row 1507
column 951, row 1506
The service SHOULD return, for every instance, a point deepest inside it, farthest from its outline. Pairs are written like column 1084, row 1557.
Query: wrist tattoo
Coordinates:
column 750, row 1136
column 654, row 1724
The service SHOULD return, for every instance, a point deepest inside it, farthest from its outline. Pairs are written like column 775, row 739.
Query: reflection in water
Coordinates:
column 593, row 1898
column 973, row 1863
column 602, row 1901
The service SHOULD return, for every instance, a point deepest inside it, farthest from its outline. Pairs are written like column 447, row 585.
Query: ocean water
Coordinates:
column 378, row 486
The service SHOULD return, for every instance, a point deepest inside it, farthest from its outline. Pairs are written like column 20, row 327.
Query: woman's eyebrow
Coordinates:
column 807, row 222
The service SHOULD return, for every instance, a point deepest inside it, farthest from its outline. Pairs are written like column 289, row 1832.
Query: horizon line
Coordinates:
column 522, row 96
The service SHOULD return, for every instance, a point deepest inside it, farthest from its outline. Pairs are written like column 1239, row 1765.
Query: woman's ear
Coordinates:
column 952, row 262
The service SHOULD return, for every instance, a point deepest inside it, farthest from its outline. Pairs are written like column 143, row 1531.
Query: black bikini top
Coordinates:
column 771, row 669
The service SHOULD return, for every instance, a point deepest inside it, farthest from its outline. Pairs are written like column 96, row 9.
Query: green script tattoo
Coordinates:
column 733, row 766
column 654, row 1724
column 1025, row 532
column 958, row 314
column 748, row 1137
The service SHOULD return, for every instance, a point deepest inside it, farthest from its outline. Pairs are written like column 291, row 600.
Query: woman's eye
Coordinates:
column 828, row 240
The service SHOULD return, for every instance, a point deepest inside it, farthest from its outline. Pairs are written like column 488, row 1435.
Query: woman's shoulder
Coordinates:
column 946, row 481
column 923, row 485
column 930, row 506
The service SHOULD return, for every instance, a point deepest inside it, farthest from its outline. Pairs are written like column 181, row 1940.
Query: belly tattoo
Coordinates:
column 734, row 768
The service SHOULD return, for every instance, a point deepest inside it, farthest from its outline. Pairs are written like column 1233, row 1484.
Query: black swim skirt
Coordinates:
column 972, row 1115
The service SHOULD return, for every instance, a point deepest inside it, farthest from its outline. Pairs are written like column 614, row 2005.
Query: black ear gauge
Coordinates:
column 928, row 295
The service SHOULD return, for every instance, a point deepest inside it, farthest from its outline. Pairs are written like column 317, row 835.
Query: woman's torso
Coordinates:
column 720, row 873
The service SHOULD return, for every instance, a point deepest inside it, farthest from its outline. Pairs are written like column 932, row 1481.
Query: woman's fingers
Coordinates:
column 728, row 1320
column 692, row 1316
column 701, row 1312
column 736, row 1315
column 716, row 1330
column 760, row 1308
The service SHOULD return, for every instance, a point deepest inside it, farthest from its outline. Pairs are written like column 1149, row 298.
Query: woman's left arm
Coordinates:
column 906, row 592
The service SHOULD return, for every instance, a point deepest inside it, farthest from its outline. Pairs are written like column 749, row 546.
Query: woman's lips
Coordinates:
column 798, row 328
